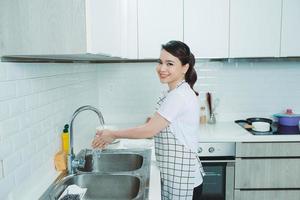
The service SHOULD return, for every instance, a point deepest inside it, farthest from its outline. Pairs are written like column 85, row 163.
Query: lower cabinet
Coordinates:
column 267, row 171
column 267, row 195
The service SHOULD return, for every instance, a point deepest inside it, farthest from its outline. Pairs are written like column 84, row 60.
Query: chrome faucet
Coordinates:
column 72, row 162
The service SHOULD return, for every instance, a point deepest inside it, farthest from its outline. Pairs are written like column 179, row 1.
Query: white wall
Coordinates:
column 128, row 92
column 36, row 100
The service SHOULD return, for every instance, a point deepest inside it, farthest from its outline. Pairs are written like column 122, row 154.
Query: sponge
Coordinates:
column 71, row 197
column 60, row 161
column 71, row 193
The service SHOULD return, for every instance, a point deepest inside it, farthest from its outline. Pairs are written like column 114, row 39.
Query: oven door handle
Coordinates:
column 217, row 161
column 212, row 174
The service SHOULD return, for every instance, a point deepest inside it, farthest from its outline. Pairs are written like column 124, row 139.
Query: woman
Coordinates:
column 174, row 125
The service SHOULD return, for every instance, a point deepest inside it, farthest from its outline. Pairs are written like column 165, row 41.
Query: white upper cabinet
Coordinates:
column 158, row 22
column 103, row 26
column 255, row 27
column 34, row 27
column 136, row 29
column 290, row 40
column 206, row 27
column 42, row 27
column 112, row 27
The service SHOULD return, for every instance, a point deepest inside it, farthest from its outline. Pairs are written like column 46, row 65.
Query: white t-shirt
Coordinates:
column 181, row 108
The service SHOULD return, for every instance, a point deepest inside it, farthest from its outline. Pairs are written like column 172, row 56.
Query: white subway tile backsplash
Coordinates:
column 22, row 173
column 36, row 100
column 6, row 186
column 38, row 84
column 24, row 87
column 1, row 170
column 3, row 73
column 27, row 152
column 15, row 72
column 18, row 140
column 31, row 101
column 4, row 110
column 11, row 162
column 7, row 90
column 31, row 71
column 40, row 142
column 16, row 106
column 5, row 148
column 9, row 127
column 244, row 88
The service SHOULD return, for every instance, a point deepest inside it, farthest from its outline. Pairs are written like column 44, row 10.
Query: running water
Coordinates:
column 97, row 152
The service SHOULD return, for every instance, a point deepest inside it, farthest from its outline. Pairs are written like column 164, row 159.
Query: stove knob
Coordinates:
column 200, row 150
column 211, row 149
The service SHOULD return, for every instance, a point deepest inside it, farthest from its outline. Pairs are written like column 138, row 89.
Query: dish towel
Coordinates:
column 73, row 192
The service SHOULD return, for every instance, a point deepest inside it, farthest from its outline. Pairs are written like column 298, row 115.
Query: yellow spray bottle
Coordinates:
column 65, row 137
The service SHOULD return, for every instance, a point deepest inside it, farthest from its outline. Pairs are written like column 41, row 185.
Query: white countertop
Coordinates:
column 232, row 132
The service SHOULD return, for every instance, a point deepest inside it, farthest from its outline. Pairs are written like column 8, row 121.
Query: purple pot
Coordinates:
column 288, row 119
column 288, row 129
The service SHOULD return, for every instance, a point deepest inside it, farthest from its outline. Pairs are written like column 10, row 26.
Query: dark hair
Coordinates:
column 183, row 53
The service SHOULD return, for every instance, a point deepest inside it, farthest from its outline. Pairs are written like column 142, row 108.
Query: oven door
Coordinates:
column 218, row 184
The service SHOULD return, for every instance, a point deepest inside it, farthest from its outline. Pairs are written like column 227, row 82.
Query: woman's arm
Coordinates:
column 151, row 128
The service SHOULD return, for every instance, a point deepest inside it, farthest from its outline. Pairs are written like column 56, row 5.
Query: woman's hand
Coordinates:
column 103, row 138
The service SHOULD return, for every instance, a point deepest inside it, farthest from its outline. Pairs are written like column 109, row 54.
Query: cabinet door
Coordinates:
column 206, row 27
column 279, row 173
column 30, row 27
column 255, row 28
column 158, row 22
column 290, row 40
column 268, row 149
column 129, row 38
column 103, row 26
column 267, row 195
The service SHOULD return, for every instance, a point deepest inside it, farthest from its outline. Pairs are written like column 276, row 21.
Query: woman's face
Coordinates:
column 170, row 70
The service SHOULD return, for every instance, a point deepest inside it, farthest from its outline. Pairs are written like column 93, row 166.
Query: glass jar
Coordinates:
column 203, row 119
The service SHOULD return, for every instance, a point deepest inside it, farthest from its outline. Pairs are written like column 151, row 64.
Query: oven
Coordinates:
column 218, row 160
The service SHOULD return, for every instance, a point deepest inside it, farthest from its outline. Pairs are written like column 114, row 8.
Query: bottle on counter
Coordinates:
column 65, row 137
column 60, row 158
column 203, row 119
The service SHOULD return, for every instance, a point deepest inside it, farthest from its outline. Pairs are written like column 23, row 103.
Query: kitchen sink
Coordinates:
column 101, row 186
column 109, row 162
column 111, row 175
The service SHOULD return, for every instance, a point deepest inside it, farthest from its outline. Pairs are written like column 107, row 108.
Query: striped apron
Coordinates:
column 177, row 166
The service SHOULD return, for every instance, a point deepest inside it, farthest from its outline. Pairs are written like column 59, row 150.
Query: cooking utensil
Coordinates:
column 288, row 129
column 259, row 119
column 257, row 124
column 208, row 99
column 288, row 119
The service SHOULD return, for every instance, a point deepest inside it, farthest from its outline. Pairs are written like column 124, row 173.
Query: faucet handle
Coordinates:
column 79, row 160
column 78, row 163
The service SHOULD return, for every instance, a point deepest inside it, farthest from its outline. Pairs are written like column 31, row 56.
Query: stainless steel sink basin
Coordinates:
column 101, row 186
column 116, row 174
column 108, row 162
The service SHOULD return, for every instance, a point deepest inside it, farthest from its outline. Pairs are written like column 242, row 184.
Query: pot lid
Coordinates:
column 286, row 115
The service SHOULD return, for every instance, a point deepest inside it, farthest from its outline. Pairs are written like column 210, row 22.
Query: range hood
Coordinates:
column 70, row 58
column 105, row 58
